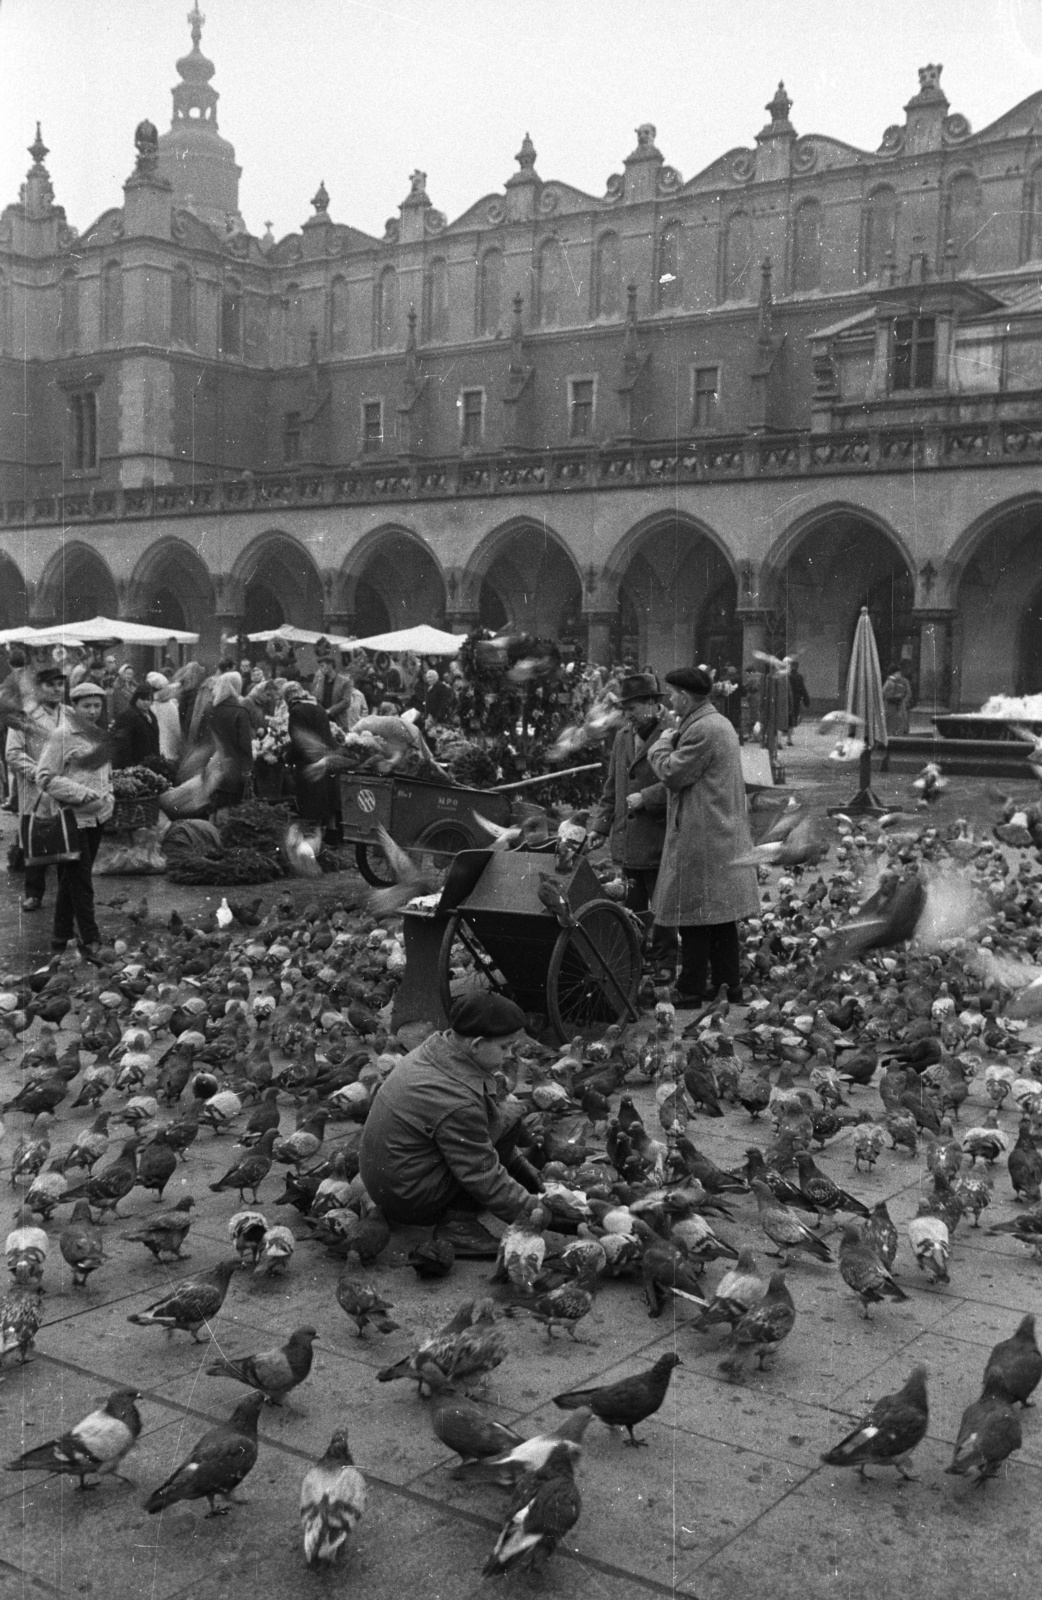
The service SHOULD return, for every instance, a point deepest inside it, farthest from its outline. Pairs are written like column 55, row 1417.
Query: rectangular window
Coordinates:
column 83, row 418
column 291, row 436
column 372, row 426
column 472, row 414
column 580, row 408
column 707, row 396
column 912, row 353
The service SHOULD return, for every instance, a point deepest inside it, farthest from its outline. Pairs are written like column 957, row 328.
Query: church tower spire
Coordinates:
column 193, row 156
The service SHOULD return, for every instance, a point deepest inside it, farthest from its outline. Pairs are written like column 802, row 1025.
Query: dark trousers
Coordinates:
column 661, row 943
column 35, row 883
column 74, row 907
column 709, row 960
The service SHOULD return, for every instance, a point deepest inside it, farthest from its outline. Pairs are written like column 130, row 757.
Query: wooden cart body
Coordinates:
column 416, row 813
column 581, row 970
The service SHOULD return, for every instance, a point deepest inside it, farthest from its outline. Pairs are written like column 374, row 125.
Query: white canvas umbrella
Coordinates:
column 100, row 629
column 422, row 640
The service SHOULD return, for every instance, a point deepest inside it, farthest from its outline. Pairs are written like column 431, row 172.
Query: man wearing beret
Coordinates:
column 699, row 890
column 632, row 810
column 437, row 1138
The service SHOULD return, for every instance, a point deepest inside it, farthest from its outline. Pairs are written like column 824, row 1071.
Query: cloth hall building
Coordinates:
column 679, row 420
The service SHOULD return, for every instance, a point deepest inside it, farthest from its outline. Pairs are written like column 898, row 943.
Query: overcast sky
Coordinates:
column 361, row 92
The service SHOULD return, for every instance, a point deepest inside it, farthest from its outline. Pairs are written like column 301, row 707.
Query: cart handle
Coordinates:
column 546, row 777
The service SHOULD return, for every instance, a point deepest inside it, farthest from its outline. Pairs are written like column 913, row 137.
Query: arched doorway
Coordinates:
column 280, row 583
column 677, row 597
column 393, row 581
column 998, row 629
column 262, row 608
column 528, row 581
column 838, row 563
column 171, row 588
column 77, row 585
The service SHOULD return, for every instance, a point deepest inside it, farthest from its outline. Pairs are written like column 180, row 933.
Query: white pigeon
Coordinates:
column 332, row 1502
column 225, row 918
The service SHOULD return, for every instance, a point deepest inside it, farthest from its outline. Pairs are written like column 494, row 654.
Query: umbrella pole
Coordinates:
column 866, row 802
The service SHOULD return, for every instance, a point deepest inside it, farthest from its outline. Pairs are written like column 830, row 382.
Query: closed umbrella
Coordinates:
column 865, row 704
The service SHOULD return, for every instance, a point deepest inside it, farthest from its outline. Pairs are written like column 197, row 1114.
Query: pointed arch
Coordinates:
column 76, row 584
column 275, row 576
column 676, row 591
column 390, row 579
column 14, row 601
column 523, row 573
column 171, row 581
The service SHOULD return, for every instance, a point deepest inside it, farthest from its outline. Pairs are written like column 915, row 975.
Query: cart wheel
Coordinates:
column 444, row 839
column 594, row 971
column 482, row 978
column 372, row 864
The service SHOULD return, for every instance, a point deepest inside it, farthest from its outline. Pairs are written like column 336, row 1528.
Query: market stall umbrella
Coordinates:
column 42, row 636
column 422, row 641
column 99, row 630
column 865, row 702
column 294, row 635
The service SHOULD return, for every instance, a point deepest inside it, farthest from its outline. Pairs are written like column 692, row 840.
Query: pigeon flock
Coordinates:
column 716, row 1170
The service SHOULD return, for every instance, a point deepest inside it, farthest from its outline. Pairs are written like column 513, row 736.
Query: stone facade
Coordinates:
column 689, row 417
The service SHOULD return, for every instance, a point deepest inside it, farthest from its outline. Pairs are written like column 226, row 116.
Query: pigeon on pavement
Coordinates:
column 507, row 1470
column 165, row 1233
column 332, row 1502
column 762, row 1329
column 364, row 1306
column 251, row 1170
column 274, row 1373
column 464, row 1427
column 863, row 1271
column 546, row 1505
column 1016, row 1364
column 81, row 1244
column 890, row 1431
column 20, row 1317
column 105, row 1189
column 988, row 1433
column 217, row 1465
column 631, row 1400
column 784, row 1227
column 192, row 1304
column 96, row 1445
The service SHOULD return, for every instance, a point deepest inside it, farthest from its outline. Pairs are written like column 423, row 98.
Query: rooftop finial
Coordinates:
column 38, row 150
column 320, row 199
column 525, row 157
column 780, row 106
column 195, row 22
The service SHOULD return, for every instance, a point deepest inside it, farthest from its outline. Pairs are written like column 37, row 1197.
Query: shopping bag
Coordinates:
column 49, row 838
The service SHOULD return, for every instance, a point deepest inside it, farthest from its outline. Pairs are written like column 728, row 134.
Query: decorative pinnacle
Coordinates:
column 38, row 150
column 525, row 157
column 195, row 22
column 780, row 106
column 320, row 199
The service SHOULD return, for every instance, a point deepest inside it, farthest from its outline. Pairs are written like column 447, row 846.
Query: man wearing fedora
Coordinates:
column 699, row 890
column 632, row 810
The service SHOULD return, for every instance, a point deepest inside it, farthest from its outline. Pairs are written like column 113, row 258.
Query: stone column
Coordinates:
column 934, row 627
column 754, row 632
column 339, row 622
column 463, row 619
column 599, row 628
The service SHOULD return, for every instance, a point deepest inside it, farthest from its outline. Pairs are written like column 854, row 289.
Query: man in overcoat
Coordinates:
column 699, row 890
column 632, row 810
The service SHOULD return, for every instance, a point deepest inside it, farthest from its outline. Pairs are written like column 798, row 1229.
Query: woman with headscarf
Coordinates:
column 309, row 733
column 135, row 732
column 167, row 715
column 232, row 733
column 74, row 771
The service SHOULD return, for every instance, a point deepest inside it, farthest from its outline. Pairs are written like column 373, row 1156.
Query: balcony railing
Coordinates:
column 555, row 471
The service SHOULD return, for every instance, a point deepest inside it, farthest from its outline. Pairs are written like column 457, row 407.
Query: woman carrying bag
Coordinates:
column 75, row 775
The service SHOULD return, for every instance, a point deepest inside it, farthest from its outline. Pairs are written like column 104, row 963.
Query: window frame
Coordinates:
column 231, row 294
column 485, row 327
column 915, row 344
column 697, row 369
column 808, row 206
column 473, row 444
column 83, row 430
column 184, row 275
column 868, row 220
column 372, row 446
column 574, row 408
column 669, row 296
